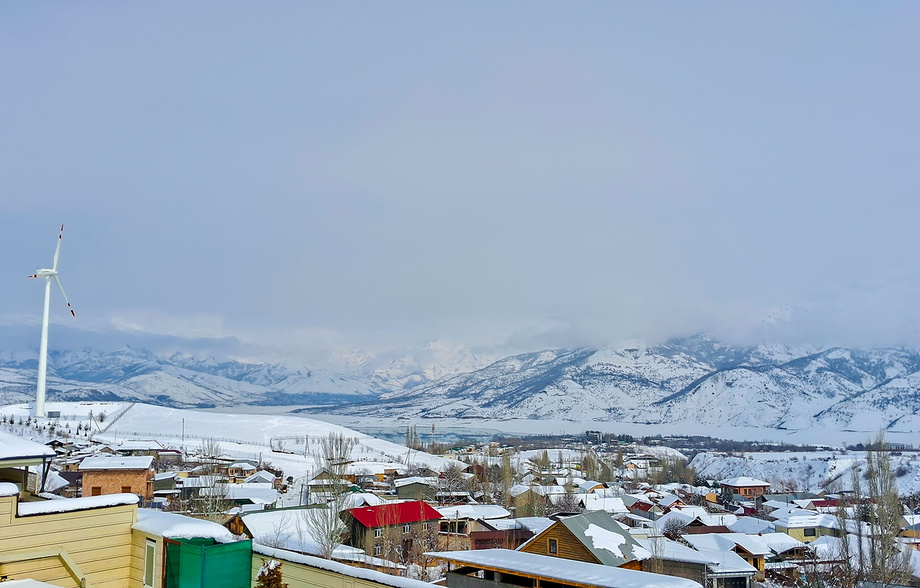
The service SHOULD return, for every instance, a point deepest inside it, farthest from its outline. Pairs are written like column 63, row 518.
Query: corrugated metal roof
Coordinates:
column 397, row 513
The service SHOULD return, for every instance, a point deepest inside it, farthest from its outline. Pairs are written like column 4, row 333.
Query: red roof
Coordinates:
column 397, row 513
column 826, row 503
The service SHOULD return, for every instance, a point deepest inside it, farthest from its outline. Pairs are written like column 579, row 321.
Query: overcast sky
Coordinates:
column 542, row 173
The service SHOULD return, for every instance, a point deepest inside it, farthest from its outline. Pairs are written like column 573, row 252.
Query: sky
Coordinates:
column 319, row 175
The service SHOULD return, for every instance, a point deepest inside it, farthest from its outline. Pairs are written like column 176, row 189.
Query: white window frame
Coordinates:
column 406, row 528
column 378, row 532
column 150, row 563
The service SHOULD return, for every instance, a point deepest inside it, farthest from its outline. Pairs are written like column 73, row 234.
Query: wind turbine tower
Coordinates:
column 48, row 275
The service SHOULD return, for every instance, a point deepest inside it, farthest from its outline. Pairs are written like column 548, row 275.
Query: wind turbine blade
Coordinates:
column 57, row 252
column 56, row 279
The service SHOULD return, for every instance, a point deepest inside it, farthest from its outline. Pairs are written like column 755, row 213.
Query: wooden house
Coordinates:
column 747, row 488
column 577, row 538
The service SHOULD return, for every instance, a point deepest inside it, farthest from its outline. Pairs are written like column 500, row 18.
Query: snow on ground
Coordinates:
column 239, row 435
column 816, row 435
column 807, row 470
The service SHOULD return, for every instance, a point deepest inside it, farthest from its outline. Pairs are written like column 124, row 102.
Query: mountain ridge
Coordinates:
column 690, row 380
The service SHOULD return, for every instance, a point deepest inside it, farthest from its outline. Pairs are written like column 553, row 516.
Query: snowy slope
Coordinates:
column 694, row 381
column 238, row 435
column 807, row 471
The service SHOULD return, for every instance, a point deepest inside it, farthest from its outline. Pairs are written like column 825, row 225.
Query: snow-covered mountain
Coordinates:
column 195, row 380
column 139, row 376
column 695, row 380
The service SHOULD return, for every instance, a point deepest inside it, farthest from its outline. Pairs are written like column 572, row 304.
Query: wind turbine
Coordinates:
column 48, row 275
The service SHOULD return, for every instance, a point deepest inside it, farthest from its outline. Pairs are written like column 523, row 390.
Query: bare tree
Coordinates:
column 875, row 555
column 887, row 563
column 323, row 524
column 673, row 528
column 452, row 480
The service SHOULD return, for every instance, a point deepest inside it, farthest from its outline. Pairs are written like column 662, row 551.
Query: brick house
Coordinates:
column 375, row 529
column 117, row 475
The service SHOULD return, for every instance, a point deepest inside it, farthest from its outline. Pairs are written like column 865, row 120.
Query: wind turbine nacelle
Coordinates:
column 44, row 273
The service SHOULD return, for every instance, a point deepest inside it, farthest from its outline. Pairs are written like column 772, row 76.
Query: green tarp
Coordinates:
column 204, row 563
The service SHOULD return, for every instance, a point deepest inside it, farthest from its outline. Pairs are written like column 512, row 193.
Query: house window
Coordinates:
column 149, row 554
column 811, row 532
column 552, row 546
column 126, row 489
column 406, row 528
column 378, row 532
column 378, row 550
column 96, row 491
column 425, row 525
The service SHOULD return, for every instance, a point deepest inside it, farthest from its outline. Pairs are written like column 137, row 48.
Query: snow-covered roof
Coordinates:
column 117, row 462
column 176, row 526
column 14, row 448
column 804, row 519
column 751, row 525
column 73, row 504
column 780, row 542
column 429, row 481
column 611, row 504
column 474, row 511
column 564, row 570
column 339, row 568
column 744, row 481
column 716, row 562
column 667, row 500
column 8, row 489
column 356, row 499
column 589, row 486
column 261, row 476
column 55, row 481
column 253, row 492
column 727, row 541
column 535, row 524
column 150, row 445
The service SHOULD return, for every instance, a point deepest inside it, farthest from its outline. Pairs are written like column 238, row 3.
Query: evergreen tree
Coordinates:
column 270, row 575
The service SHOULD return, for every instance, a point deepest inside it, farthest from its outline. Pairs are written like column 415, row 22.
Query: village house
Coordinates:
column 118, row 475
column 505, row 533
column 743, row 486
column 806, row 525
column 416, row 487
column 459, row 522
column 579, row 537
column 375, row 529
column 240, row 470
column 752, row 548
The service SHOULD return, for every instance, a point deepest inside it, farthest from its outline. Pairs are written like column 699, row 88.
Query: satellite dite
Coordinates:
column 48, row 275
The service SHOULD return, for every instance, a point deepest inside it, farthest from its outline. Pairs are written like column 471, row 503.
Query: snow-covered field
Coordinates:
column 817, row 435
column 239, row 435
column 812, row 471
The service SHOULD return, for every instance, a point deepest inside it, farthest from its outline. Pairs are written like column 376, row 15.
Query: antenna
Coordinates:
column 47, row 275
